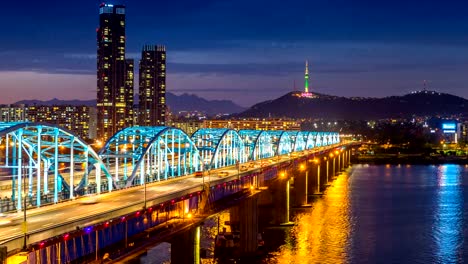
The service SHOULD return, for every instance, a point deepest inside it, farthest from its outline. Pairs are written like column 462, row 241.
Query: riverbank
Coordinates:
column 409, row 159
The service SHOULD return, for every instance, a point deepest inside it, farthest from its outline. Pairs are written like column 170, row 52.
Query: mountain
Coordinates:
column 56, row 101
column 184, row 102
column 422, row 103
column 191, row 102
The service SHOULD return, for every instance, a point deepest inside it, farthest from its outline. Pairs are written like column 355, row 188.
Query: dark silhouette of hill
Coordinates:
column 184, row 102
column 422, row 103
column 56, row 101
column 191, row 102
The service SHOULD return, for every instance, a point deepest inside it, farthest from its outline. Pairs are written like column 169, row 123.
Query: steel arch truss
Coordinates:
column 258, row 144
column 311, row 140
column 336, row 138
column 282, row 141
column 300, row 140
column 219, row 147
column 151, row 154
column 319, row 140
column 47, row 163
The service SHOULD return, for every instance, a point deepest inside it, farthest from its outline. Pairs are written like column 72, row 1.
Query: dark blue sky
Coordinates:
column 243, row 50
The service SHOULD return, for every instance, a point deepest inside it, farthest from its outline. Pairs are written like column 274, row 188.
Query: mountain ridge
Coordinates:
column 421, row 103
column 176, row 103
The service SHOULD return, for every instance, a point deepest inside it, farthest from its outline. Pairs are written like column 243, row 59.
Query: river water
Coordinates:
column 378, row 214
column 384, row 214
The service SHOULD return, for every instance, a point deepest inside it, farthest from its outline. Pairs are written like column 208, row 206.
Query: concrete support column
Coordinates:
column 319, row 178
column 333, row 166
column 327, row 169
column 244, row 219
column 185, row 247
column 281, row 200
column 349, row 156
column 343, row 160
column 301, row 184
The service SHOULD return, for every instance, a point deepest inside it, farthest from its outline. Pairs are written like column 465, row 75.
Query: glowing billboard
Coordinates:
column 449, row 128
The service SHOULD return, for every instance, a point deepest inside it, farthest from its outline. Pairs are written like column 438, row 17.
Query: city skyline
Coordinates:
column 360, row 49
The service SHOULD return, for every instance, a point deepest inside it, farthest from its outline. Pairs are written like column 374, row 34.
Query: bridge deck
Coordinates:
column 60, row 218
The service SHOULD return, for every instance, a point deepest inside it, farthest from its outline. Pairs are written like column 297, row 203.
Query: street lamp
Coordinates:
column 25, row 230
column 238, row 169
column 144, row 183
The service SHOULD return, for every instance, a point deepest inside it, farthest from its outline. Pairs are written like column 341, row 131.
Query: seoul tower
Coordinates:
column 306, row 77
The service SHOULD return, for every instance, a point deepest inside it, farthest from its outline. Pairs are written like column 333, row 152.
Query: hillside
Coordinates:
column 423, row 103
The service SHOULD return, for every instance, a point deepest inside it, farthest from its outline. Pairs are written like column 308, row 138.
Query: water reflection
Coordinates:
column 376, row 214
column 320, row 235
column 448, row 215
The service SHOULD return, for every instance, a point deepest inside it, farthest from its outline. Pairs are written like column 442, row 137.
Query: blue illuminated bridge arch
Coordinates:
column 157, row 153
column 53, row 164
column 219, row 147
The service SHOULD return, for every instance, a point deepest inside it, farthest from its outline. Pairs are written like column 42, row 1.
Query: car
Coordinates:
column 223, row 173
column 6, row 219
column 199, row 174
column 243, row 168
column 89, row 199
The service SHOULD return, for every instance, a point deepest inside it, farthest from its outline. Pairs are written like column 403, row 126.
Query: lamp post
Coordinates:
column 25, row 229
column 144, row 183
column 238, row 169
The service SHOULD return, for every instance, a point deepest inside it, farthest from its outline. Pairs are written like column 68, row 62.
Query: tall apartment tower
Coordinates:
column 114, row 96
column 129, row 84
column 152, row 90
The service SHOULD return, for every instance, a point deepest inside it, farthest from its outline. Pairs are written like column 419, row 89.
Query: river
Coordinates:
column 378, row 214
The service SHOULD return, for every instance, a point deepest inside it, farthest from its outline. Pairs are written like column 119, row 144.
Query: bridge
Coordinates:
column 50, row 172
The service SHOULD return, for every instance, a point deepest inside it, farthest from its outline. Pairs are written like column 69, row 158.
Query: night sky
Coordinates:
column 244, row 50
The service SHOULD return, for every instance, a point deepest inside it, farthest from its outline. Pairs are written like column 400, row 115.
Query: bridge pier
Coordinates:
column 244, row 219
column 185, row 247
column 327, row 169
column 333, row 165
column 316, row 179
column 301, row 186
column 280, row 192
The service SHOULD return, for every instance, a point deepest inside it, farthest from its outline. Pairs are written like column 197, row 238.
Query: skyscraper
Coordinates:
column 114, row 99
column 129, row 84
column 152, row 90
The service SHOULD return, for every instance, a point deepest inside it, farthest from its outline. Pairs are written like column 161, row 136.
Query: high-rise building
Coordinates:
column 152, row 90
column 129, row 80
column 114, row 100
column 78, row 119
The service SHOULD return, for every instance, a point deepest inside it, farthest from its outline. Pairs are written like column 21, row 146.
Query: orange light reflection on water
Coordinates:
column 322, row 233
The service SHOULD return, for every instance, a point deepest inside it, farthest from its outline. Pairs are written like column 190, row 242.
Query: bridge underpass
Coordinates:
column 220, row 151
